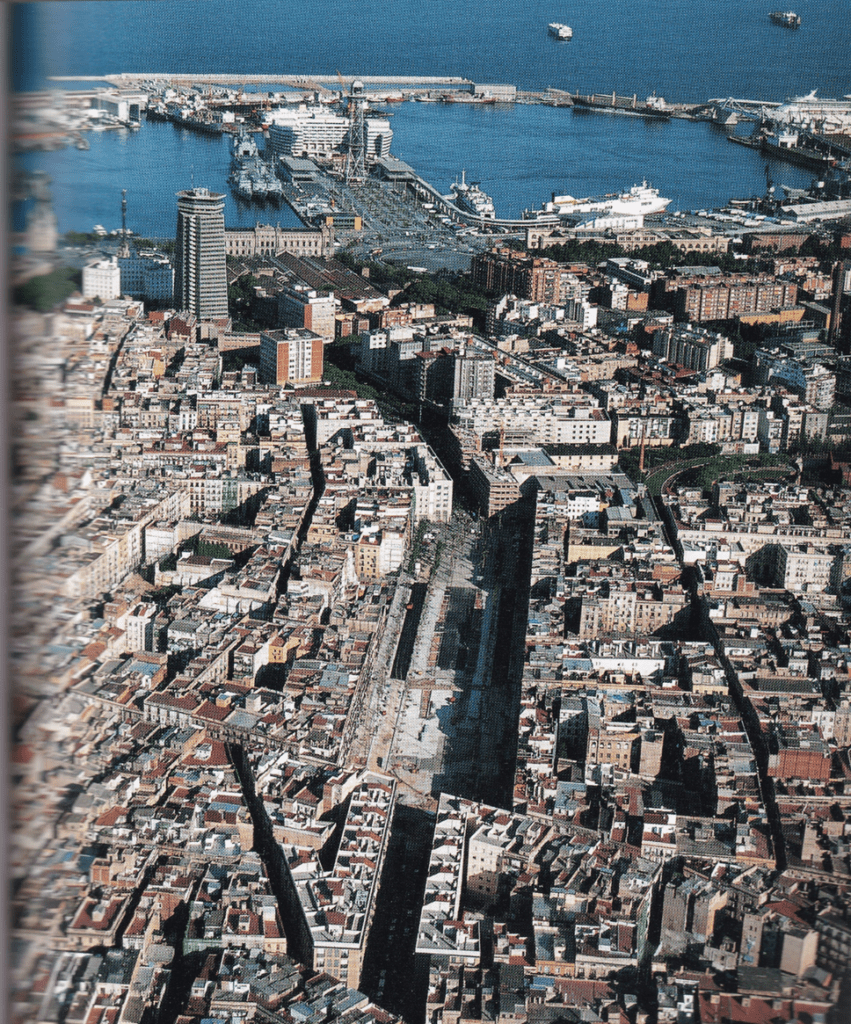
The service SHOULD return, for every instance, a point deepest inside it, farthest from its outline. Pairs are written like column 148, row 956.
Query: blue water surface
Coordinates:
column 684, row 51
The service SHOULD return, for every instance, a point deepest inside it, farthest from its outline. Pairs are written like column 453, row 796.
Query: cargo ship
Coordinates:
column 611, row 103
column 561, row 32
column 783, row 146
column 198, row 121
column 788, row 19
column 157, row 112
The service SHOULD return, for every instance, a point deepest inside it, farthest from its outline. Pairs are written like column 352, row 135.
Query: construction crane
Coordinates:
column 317, row 86
column 342, row 85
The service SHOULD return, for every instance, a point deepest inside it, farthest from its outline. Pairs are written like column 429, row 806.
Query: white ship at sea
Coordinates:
column 640, row 201
column 468, row 196
column 560, row 31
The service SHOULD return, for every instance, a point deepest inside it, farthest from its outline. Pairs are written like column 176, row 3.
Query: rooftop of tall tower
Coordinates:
column 200, row 192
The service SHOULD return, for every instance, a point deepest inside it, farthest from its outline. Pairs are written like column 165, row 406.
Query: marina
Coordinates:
column 229, row 118
column 533, row 134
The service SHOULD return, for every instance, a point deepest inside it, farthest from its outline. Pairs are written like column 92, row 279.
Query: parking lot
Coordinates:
column 394, row 221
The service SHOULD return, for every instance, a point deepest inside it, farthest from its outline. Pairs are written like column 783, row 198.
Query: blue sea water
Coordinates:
column 153, row 164
column 682, row 50
column 523, row 154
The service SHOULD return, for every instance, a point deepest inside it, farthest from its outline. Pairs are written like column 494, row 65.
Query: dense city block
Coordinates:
column 453, row 647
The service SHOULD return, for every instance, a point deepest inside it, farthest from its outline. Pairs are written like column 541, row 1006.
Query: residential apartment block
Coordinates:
column 292, row 355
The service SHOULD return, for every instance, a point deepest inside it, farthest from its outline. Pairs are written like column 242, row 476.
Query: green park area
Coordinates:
column 701, row 465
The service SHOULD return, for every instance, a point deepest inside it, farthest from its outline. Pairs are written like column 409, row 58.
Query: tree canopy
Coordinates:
column 47, row 291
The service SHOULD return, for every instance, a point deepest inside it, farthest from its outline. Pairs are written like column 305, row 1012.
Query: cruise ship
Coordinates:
column 468, row 196
column 560, row 31
column 640, row 201
column 812, row 113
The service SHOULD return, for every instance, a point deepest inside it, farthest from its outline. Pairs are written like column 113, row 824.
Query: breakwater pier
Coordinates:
column 382, row 88
column 244, row 93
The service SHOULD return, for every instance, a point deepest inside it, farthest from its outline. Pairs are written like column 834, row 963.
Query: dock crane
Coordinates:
column 342, row 85
column 317, row 86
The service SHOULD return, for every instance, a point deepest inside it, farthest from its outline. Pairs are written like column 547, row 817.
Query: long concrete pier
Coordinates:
column 206, row 78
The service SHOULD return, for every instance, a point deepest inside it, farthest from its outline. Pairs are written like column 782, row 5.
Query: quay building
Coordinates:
column 317, row 133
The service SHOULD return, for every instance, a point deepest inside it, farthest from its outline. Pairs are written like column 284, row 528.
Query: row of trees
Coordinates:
column 662, row 256
column 449, row 291
column 165, row 245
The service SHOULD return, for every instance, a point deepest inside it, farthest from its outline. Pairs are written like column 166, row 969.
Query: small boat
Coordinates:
column 560, row 32
column 788, row 19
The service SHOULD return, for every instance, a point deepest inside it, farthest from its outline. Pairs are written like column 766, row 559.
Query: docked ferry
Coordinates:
column 468, row 196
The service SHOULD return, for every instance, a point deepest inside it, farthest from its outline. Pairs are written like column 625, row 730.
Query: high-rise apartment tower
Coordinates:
column 200, row 278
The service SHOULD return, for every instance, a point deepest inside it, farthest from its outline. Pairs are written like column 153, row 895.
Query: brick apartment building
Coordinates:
column 291, row 356
column 528, row 277
column 696, row 298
